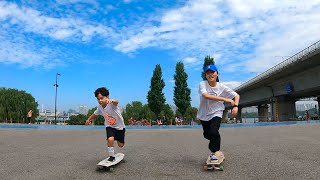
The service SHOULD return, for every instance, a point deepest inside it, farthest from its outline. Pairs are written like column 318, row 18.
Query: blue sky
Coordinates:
column 117, row 44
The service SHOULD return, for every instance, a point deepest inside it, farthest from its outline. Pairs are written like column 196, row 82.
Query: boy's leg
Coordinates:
column 206, row 125
column 206, row 129
column 110, row 146
column 120, row 135
column 215, row 138
column 110, row 140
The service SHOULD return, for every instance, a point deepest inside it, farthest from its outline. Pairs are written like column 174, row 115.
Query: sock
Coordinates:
column 111, row 151
column 122, row 150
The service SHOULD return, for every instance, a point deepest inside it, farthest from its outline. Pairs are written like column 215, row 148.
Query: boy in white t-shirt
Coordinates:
column 114, row 123
column 212, row 95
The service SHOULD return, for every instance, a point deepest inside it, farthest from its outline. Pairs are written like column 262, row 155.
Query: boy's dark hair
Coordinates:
column 103, row 91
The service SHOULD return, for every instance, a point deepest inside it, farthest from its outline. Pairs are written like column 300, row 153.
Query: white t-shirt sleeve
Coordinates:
column 202, row 88
column 228, row 92
column 97, row 111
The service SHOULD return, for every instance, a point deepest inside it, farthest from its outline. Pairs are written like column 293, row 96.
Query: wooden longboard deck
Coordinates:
column 220, row 157
column 118, row 157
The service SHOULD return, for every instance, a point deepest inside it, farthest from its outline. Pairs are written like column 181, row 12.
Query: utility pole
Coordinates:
column 55, row 102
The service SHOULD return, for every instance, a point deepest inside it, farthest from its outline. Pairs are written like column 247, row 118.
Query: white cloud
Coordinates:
column 64, row 2
column 26, row 54
column 34, row 21
column 232, row 84
column 22, row 28
column 244, row 34
column 127, row 1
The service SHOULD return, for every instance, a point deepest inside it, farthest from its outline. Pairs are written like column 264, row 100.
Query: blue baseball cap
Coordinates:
column 211, row 67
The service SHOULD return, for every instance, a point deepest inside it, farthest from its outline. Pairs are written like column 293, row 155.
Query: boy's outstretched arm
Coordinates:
column 93, row 116
column 218, row 98
column 112, row 101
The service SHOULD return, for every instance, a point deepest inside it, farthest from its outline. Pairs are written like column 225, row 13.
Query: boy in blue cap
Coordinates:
column 212, row 96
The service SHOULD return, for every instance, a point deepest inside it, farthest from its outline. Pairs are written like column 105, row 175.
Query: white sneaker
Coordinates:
column 213, row 157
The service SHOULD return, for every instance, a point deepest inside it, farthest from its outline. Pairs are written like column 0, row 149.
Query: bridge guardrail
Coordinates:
column 295, row 58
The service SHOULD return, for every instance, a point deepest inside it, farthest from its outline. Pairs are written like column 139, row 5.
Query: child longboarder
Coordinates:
column 212, row 96
column 114, row 123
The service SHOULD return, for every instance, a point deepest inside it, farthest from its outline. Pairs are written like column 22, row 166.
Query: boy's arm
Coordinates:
column 93, row 116
column 236, row 99
column 234, row 110
column 206, row 95
column 218, row 98
column 113, row 101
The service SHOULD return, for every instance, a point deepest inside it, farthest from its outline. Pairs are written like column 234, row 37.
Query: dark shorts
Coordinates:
column 117, row 134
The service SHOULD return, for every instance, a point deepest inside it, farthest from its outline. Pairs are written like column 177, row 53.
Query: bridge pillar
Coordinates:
column 239, row 117
column 285, row 108
column 318, row 99
column 225, row 116
column 263, row 112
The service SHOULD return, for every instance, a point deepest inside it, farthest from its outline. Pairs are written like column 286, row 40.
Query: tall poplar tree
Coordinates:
column 156, row 99
column 181, row 96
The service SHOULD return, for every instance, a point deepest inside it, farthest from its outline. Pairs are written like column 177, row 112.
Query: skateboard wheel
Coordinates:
column 221, row 168
column 111, row 169
column 205, row 167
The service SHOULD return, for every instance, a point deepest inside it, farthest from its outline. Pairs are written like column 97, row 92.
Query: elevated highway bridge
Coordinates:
column 281, row 86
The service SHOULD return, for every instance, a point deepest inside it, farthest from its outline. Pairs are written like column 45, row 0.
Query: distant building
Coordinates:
column 83, row 110
column 48, row 117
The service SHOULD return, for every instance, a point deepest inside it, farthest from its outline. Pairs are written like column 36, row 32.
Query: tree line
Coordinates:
column 15, row 105
column 157, row 107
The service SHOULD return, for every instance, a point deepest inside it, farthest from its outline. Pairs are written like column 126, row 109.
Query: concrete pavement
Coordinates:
column 275, row 152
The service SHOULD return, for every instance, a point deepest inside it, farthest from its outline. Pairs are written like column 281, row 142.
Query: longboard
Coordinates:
column 107, row 165
column 215, row 165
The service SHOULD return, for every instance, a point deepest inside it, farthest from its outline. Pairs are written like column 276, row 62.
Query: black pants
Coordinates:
column 211, row 132
column 28, row 120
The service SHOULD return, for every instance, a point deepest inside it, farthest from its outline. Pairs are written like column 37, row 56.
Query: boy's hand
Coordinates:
column 229, row 101
column 109, row 101
column 234, row 111
column 87, row 122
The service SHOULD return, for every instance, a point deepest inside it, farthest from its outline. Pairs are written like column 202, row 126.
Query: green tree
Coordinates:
column 77, row 119
column 147, row 113
column 134, row 110
column 182, row 93
column 207, row 60
column 156, row 99
column 191, row 114
column 137, row 111
column 168, row 113
column 15, row 104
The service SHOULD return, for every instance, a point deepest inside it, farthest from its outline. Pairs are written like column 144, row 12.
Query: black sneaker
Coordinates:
column 111, row 158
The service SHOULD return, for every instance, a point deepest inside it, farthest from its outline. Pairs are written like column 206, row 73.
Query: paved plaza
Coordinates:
column 274, row 152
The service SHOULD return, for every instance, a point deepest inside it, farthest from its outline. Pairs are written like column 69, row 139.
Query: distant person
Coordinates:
column 115, row 128
column 176, row 119
column 212, row 96
column 29, row 117
column 159, row 121
column 164, row 120
column 307, row 115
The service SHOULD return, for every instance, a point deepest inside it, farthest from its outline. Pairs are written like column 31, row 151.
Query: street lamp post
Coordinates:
column 55, row 102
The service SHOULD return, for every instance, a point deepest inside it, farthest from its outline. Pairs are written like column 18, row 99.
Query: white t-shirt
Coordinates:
column 111, row 111
column 210, row 108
